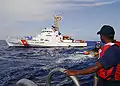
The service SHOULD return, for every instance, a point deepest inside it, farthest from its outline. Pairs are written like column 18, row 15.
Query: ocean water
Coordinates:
column 36, row 63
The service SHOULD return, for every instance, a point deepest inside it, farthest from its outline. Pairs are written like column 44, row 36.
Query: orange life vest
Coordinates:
column 112, row 73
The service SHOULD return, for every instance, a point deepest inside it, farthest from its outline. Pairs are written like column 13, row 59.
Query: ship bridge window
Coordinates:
column 42, row 31
column 46, row 40
column 49, row 31
column 41, row 39
column 48, row 35
column 46, row 31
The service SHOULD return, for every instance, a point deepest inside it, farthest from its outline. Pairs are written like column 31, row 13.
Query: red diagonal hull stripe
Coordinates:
column 24, row 42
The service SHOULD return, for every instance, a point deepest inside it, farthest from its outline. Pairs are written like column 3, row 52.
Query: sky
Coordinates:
column 81, row 19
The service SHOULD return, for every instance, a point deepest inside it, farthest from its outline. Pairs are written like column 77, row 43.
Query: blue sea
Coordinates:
column 36, row 63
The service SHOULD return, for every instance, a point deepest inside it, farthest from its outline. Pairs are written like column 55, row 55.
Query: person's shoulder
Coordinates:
column 114, row 48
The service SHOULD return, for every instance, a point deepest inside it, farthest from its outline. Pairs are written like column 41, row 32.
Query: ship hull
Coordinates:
column 30, row 43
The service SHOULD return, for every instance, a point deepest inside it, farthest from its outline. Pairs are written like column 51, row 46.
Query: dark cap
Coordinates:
column 106, row 30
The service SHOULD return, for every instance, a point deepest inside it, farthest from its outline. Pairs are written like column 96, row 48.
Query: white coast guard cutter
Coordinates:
column 48, row 37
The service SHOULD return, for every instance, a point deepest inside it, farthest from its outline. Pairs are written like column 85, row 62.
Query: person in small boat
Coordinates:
column 97, row 47
column 107, row 67
column 94, row 50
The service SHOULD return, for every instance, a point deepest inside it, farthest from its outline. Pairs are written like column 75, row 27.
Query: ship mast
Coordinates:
column 56, row 20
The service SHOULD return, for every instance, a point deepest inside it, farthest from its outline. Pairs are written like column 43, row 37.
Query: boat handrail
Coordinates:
column 27, row 82
column 75, row 80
